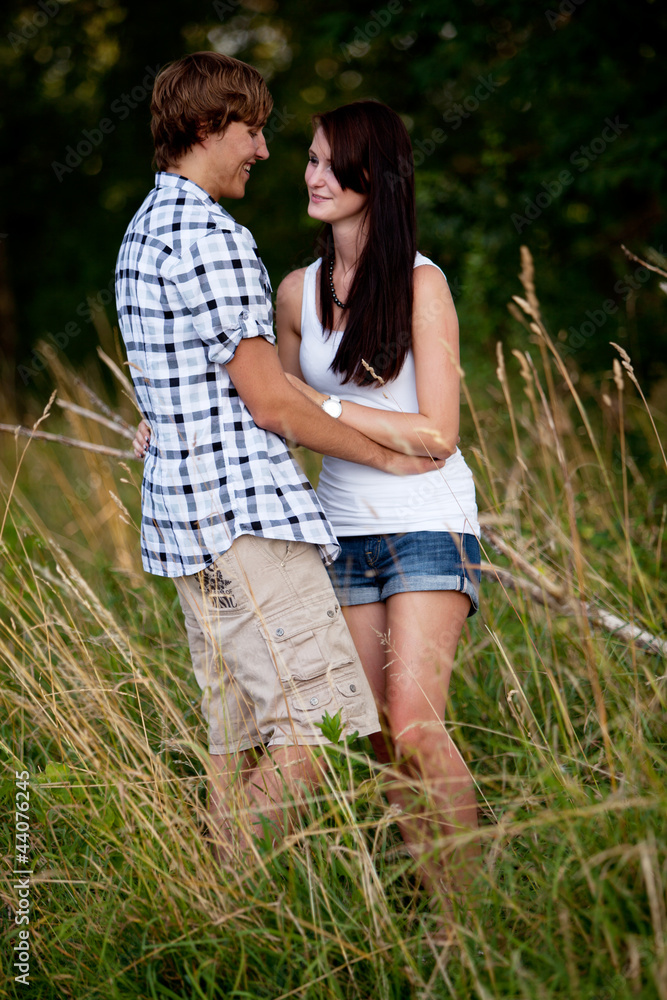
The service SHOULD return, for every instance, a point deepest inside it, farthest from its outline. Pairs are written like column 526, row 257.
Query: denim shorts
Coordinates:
column 372, row 568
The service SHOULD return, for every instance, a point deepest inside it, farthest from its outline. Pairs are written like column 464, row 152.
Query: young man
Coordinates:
column 226, row 511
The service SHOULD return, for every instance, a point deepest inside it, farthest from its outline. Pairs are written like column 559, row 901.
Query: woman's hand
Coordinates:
column 141, row 439
column 307, row 390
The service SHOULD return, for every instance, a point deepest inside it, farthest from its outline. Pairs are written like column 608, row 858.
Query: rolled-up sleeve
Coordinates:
column 225, row 287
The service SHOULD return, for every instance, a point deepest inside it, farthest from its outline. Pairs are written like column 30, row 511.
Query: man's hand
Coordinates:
column 409, row 465
column 305, row 389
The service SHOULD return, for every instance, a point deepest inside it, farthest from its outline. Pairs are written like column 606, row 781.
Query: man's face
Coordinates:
column 229, row 157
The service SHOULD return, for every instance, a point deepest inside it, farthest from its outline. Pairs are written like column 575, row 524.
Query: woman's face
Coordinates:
column 327, row 200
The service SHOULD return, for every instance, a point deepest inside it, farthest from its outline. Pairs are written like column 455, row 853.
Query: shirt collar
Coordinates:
column 164, row 179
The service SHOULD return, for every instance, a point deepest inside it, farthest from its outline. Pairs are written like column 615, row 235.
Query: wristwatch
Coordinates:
column 333, row 406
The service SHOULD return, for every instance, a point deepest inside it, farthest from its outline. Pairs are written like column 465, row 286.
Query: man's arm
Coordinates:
column 277, row 406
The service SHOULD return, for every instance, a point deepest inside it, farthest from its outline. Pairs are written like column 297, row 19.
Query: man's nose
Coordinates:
column 262, row 152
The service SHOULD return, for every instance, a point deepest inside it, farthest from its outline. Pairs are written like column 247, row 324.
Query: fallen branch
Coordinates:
column 539, row 579
column 626, row 631
column 91, row 415
column 542, row 593
column 100, row 449
column 100, row 404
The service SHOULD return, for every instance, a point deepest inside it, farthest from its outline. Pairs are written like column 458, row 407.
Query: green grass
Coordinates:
column 562, row 722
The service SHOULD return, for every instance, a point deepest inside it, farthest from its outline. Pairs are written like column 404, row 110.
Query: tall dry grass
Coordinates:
column 561, row 720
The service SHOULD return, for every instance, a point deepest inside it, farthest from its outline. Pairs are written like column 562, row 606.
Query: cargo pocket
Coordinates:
column 309, row 700
column 340, row 689
column 309, row 641
column 352, row 693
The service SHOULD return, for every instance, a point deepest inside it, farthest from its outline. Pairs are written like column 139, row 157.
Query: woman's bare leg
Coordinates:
column 424, row 629
column 407, row 647
column 368, row 627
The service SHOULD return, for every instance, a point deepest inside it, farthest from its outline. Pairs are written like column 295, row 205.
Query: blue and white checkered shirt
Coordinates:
column 189, row 288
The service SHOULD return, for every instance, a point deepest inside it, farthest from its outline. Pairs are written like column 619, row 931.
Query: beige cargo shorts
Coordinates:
column 270, row 648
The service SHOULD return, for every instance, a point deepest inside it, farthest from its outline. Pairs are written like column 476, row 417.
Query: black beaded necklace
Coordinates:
column 338, row 302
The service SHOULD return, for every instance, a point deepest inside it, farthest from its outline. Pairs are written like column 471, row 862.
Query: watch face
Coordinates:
column 332, row 406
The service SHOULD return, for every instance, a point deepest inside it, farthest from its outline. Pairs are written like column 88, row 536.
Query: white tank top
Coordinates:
column 359, row 500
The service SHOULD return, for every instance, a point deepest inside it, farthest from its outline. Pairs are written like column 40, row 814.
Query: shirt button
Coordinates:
column 331, row 613
column 280, row 631
column 353, row 687
column 314, row 701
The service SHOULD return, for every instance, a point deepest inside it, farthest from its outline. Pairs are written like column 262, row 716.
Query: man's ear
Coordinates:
column 202, row 134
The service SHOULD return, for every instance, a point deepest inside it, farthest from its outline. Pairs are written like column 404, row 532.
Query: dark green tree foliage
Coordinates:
column 532, row 124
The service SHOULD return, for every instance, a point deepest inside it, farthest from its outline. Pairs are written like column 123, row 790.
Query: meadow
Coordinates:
column 558, row 705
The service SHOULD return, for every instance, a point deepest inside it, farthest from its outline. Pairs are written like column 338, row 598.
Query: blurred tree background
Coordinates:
column 532, row 123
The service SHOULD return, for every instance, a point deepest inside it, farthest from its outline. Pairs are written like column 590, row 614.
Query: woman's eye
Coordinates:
column 312, row 159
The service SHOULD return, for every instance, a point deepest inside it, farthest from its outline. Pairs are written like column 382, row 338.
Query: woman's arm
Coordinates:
column 288, row 321
column 435, row 345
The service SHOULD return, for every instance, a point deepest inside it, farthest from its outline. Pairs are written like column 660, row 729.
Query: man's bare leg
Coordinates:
column 246, row 794
column 227, row 776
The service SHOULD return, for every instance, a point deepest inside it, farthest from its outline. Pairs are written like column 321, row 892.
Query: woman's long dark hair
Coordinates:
column 371, row 154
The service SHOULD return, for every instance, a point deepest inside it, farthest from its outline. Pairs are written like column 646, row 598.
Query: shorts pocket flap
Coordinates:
column 310, row 697
column 286, row 625
column 349, row 686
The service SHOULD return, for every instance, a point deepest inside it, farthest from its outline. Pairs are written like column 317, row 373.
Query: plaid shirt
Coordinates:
column 189, row 288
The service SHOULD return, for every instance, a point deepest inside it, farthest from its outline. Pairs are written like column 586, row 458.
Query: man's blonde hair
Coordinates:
column 199, row 95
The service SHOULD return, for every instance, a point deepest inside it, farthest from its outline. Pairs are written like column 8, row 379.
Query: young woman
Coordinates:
column 369, row 331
